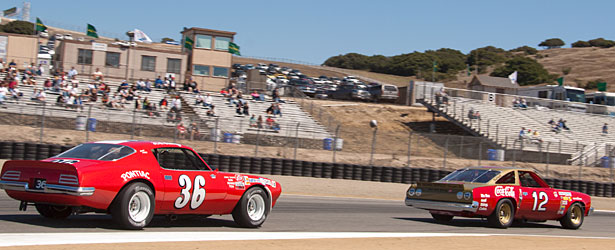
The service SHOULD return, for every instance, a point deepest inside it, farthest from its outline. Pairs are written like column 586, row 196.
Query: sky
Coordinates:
column 313, row 30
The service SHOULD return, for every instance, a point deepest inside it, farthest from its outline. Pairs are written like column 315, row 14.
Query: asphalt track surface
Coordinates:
column 295, row 213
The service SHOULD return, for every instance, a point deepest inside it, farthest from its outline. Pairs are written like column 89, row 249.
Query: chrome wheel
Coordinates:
column 256, row 207
column 505, row 214
column 576, row 215
column 139, row 206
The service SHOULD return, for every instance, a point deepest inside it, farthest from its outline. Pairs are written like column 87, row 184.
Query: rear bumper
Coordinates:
column 49, row 188
column 443, row 205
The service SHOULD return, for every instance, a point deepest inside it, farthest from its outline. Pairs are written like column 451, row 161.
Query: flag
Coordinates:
column 40, row 27
column 513, row 77
column 602, row 86
column 560, row 81
column 140, row 36
column 188, row 43
column 469, row 72
column 233, row 49
column 10, row 12
column 435, row 66
column 92, row 31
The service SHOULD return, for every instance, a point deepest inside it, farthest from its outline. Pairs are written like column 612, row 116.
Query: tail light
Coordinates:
column 68, row 179
column 11, row 175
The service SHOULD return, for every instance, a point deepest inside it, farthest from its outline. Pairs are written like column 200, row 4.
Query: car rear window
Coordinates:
column 471, row 175
column 98, row 151
column 390, row 88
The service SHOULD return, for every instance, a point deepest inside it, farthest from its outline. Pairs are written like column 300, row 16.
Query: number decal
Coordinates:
column 40, row 184
column 182, row 201
column 198, row 194
column 541, row 196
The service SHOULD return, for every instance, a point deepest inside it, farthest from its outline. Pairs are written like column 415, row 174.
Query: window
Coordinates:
column 471, row 175
column 98, row 151
column 85, row 56
column 112, row 59
column 178, row 159
column 222, row 43
column 507, row 179
column 201, row 70
column 219, row 71
column 148, row 63
column 203, row 41
column 543, row 94
column 174, row 65
column 527, row 180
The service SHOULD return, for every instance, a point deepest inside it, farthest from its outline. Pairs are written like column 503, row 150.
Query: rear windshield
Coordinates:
column 390, row 88
column 471, row 175
column 98, row 151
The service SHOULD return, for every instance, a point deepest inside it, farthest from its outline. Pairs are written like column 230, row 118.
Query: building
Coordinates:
column 119, row 61
column 22, row 49
column 209, row 62
column 490, row 84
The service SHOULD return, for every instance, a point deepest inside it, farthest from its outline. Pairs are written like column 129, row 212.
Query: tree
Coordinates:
column 525, row 49
column 552, row 43
column 530, row 72
column 19, row 27
column 581, row 44
column 602, row 43
column 166, row 39
column 486, row 56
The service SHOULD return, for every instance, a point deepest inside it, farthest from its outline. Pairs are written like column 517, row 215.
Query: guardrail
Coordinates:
column 289, row 167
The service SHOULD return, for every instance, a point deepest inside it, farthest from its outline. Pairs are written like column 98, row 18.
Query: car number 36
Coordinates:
column 198, row 193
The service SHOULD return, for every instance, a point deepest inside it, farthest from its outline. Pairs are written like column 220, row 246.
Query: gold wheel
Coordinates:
column 505, row 215
column 576, row 215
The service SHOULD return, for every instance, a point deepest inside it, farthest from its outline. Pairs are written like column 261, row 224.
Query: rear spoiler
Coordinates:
column 27, row 164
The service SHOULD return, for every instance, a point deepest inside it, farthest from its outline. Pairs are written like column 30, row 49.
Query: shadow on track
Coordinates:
column 475, row 223
column 106, row 222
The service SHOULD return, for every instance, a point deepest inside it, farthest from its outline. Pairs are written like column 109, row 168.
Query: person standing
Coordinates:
column 72, row 73
column 605, row 129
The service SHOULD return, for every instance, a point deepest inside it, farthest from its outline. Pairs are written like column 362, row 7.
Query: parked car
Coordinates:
column 304, row 86
column 360, row 92
column 133, row 180
column 68, row 37
column 385, row 92
column 501, row 195
column 342, row 92
column 43, row 34
column 59, row 37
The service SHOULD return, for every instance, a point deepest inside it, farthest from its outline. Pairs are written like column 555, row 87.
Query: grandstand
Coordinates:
column 584, row 144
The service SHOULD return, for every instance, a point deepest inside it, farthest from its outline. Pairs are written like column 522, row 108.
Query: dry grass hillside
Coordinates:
column 586, row 64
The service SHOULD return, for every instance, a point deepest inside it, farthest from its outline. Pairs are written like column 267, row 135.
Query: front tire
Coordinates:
column 503, row 215
column 134, row 207
column 442, row 217
column 53, row 211
column 573, row 219
column 252, row 209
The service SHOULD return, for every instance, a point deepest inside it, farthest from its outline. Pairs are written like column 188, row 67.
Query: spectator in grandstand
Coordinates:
column 40, row 70
column 562, row 124
column 72, row 73
column 98, row 76
column 176, row 104
column 138, row 103
column 271, row 124
column 253, row 123
column 224, row 93
column 522, row 134
column 207, row 100
column 181, row 130
column 441, row 97
column 193, row 130
column 246, row 109
column 199, row 99
column 277, row 110
column 60, row 101
column 163, row 104
column 148, row 85
column 142, row 86
column 523, row 103
column 15, row 92
column 259, row 122
column 3, row 92
column 1, row 65
column 255, row 95
column 238, row 108
column 194, row 86
column 211, row 111
column 534, row 136
column 158, row 83
column 172, row 84
column 38, row 95
column 269, row 110
column 473, row 115
column 186, row 85
column 605, row 129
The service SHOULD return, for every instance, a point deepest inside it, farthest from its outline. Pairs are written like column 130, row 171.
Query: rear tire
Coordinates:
column 573, row 219
column 503, row 215
column 442, row 217
column 252, row 209
column 53, row 211
column 134, row 206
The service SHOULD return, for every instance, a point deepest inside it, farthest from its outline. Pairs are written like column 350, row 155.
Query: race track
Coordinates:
column 295, row 213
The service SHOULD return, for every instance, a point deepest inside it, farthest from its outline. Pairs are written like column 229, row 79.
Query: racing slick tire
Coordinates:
column 54, row 211
column 252, row 209
column 134, row 206
column 573, row 219
column 441, row 217
column 503, row 215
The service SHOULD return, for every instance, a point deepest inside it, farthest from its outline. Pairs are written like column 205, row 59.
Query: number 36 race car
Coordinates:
column 501, row 195
column 133, row 180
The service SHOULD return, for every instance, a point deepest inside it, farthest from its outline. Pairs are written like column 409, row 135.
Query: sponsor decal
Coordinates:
column 504, row 191
column 555, row 194
column 483, row 200
column 485, row 196
column 484, row 205
column 134, row 174
column 65, row 161
column 242, row 181
column 524, row 193
column 482, row 209
column 143, row 151
column 576, row 199
column 564, row 202
column 565, row 193
column 567, row 198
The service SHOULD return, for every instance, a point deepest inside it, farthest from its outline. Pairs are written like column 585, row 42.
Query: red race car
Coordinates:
column 500, row 194
column 133, row 180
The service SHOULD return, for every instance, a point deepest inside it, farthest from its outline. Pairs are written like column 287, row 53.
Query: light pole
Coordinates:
column 131, row 36
column 374, row 125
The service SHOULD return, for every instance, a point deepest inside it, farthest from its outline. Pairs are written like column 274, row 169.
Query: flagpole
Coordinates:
column 38, row 46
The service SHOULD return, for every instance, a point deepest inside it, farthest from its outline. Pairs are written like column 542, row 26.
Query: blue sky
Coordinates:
column 314, row 30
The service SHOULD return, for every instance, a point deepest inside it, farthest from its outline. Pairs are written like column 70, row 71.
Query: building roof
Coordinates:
column 208, row 31
column 498, row 82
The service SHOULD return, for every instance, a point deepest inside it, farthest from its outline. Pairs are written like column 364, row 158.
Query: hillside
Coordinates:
column 586, row 64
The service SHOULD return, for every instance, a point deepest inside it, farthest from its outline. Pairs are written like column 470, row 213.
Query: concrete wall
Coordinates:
column 21, row 48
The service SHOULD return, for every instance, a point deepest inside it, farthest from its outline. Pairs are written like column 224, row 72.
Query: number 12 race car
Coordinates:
column 501, row 195
column 133, row 180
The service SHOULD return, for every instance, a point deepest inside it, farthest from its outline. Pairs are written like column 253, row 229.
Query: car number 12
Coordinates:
column 198, row 194
column 541, row 196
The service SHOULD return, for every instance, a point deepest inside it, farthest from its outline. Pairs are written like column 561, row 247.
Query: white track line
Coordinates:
column 28, row 239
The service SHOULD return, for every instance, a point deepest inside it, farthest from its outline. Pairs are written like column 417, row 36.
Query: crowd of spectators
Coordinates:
column 9, row 86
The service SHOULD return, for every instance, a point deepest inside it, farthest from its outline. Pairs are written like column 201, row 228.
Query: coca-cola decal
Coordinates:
column 504, row 191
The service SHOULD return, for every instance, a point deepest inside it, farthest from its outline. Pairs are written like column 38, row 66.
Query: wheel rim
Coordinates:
column 139, row 206
column 576, row 215
column 256, row 207
column 505, row 214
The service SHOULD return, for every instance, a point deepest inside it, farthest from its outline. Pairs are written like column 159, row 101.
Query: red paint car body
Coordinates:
column 180, row 182
column 491, row 191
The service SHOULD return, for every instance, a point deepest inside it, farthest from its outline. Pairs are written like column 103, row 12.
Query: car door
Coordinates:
column 538, row 201
column 189, row 185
